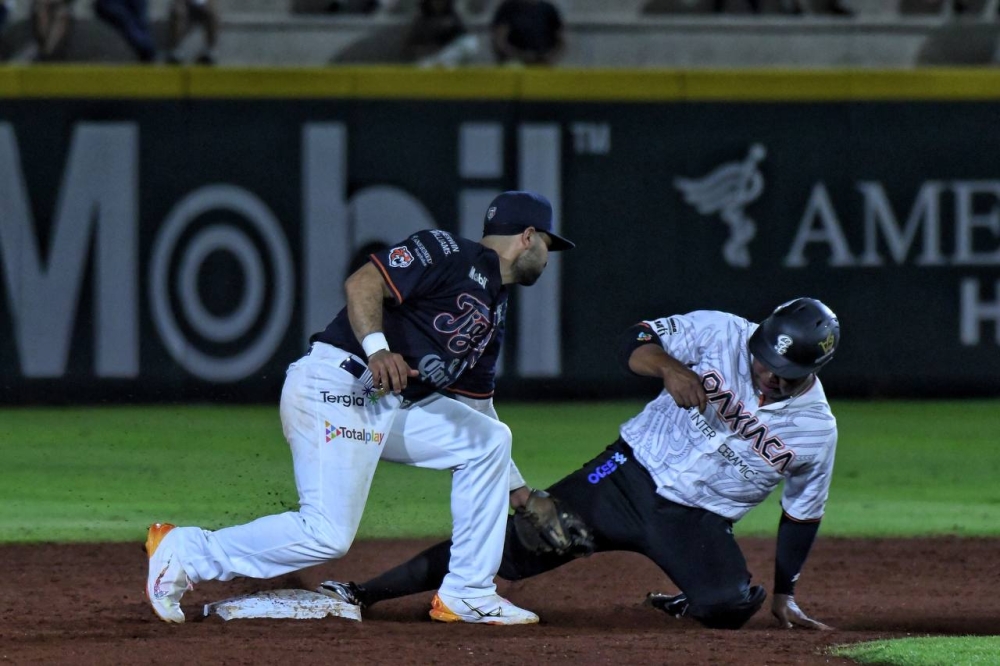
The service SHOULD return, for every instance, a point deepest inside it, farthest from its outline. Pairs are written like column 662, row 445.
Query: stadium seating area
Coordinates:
column 605, row 33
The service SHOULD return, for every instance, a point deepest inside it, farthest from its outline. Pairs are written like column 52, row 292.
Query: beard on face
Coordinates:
column 526, row 269
column 527, row 277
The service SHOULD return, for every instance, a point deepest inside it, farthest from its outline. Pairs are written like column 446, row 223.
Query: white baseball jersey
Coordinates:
column 729, row 459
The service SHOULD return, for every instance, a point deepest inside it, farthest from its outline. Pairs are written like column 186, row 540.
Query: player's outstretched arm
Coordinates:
column 789, row 615
column 795, row 539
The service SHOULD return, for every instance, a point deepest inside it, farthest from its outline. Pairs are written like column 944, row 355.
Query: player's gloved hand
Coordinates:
column 684, row 386
column 389, row 371
column 788, row 614
column 545, row 525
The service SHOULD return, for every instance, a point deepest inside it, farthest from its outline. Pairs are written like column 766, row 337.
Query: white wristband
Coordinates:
column 374, row 343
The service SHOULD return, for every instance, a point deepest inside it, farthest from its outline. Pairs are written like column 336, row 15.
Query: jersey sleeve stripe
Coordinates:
column 388, row 280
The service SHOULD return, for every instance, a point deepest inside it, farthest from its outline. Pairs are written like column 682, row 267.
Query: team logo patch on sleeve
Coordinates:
column 643, row 337
column 400, row 257
column 665, row 326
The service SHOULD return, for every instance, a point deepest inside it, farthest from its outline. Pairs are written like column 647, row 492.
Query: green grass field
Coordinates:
column 926, row 651
column 903, row 468
column 96, row 474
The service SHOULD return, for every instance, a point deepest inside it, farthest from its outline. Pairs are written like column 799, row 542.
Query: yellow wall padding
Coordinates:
column 491, row 83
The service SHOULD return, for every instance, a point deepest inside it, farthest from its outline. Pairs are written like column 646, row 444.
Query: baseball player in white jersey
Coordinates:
column 742, row 410
column 404, row 373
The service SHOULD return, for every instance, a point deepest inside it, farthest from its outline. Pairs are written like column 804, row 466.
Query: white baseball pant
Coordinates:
column 337, row 436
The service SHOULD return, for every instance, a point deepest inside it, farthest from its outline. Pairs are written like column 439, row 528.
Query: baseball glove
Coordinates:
column 545, row 525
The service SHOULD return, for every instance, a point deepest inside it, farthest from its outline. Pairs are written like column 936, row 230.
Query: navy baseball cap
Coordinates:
column 510, row 213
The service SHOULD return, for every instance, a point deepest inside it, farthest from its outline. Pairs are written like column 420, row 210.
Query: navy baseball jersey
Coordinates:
column 446, row 315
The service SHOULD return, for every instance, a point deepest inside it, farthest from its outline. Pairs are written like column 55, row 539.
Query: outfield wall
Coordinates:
column 176, row 234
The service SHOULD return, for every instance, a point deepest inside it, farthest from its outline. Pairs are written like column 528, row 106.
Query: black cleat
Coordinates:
column 674, row 605
column 346, row 592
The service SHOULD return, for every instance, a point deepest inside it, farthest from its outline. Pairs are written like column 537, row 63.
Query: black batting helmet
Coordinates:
column 798, row 338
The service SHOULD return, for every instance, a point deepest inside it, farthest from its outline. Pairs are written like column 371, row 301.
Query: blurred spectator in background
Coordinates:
column 437, row 36
column 182, row 14
column 719, row 6
column 835, row 7
column 131, row 19
column 354, row 6
column 962, row 7
column 6, row 6
column 527, row 31
column 51, row 21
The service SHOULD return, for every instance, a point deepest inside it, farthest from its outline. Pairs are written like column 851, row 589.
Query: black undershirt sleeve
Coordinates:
column 794, row 541
column 422, row 573
column 633, row 338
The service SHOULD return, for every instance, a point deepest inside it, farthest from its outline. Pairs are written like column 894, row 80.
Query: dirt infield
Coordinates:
column 83, row 604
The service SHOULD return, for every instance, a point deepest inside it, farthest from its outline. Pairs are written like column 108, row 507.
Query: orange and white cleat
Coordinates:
column 166, row 582
column 493, row 609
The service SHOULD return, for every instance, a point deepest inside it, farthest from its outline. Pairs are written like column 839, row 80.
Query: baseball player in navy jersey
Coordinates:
column 405, row 373
column 741, row 411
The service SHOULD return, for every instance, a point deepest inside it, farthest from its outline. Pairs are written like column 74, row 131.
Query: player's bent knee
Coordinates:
column 334, row 548
column 332, row 543
column 503, row 436
column 490, row 446
column 730, row 615
column 498, row 441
